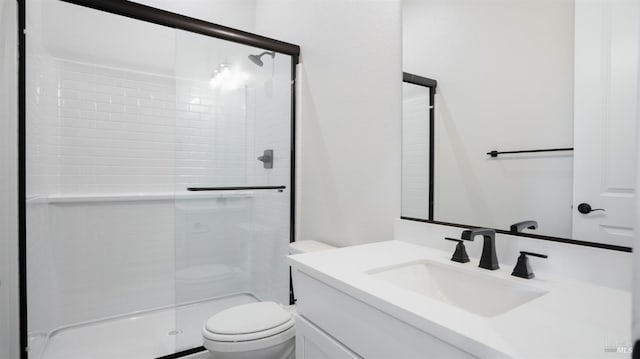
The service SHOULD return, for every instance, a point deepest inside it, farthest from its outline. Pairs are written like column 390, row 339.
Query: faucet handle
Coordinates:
column 522, row 268
column 534, row 254
column 460, row 254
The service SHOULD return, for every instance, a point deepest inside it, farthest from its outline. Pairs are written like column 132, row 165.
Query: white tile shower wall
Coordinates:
column 210, row 245
column 122, row 131
column 108, row 131
column 211, row 146
column 114, row 131
column 41, row 108
column 599, row 266
column 111, row 258
column 111, row 131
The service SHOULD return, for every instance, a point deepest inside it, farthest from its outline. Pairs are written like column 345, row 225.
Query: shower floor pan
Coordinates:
column 141, row 335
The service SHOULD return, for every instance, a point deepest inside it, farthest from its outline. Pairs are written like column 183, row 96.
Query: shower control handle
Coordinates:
column 267, row 159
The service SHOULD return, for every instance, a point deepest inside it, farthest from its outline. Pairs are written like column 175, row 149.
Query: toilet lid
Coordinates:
column 248, row 318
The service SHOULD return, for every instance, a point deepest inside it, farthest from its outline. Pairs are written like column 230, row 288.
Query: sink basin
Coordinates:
column 474, row 292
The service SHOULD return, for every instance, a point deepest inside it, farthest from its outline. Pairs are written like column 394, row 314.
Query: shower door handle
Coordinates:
column 240, row 188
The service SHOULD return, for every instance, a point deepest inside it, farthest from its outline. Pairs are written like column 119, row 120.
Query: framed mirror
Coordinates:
column 531, row 123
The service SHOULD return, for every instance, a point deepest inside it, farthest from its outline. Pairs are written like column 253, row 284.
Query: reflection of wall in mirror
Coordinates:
column 505, row 82
column 415, row 150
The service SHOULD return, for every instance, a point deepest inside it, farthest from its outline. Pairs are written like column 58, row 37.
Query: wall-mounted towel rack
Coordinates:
column 495, row 153
column 251, row 188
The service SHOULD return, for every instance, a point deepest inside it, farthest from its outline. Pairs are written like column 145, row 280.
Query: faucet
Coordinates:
column 489, row 259
column 520, row 226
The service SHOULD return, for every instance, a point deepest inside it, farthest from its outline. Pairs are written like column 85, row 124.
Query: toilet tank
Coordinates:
column 308, row 246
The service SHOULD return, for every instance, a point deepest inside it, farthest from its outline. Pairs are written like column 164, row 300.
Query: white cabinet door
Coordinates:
column 313, row 343
column 606, row 88
column 366, row 330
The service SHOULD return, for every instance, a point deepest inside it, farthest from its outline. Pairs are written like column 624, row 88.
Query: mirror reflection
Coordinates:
column 416, row 122
column 526, row 75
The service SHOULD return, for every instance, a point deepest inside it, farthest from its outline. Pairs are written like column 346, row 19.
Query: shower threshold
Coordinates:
column 140, row 335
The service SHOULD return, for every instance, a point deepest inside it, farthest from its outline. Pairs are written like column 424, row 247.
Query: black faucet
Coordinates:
column 520, row 226
column 489, row 259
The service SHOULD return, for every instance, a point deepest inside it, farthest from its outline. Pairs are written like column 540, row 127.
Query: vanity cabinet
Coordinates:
column 357, row 328
column 313, row 343
column 400, row 300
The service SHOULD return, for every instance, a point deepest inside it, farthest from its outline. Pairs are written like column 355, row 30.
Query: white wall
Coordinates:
column 9, row 340
column 505, row 81
column 349, row 114
column 238, row 14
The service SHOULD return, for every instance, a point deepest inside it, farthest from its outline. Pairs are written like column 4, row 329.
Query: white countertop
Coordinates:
column 573, row 320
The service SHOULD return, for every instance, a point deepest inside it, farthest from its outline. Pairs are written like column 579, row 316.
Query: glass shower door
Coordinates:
column 158, row 178
column 233, row 173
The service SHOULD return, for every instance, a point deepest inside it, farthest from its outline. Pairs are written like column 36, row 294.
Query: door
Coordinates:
column 606, row 88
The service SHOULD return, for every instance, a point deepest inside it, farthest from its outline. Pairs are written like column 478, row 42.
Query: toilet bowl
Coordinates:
column 263, row 330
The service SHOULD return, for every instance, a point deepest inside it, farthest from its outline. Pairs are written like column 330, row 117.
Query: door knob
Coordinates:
column 585, row 208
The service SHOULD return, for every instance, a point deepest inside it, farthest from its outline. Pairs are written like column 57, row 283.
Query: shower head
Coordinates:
column 257, row 59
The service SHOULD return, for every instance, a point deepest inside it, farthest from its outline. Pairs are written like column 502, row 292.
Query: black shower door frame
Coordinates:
column 160, row 17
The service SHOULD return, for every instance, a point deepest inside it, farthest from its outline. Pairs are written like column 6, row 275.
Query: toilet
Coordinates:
column 263, row 330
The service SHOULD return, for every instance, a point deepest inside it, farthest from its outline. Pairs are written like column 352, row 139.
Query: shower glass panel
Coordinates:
column 123, row 116
column 231, row 244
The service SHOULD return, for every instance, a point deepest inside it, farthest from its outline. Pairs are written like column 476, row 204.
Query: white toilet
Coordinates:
column 264, row 330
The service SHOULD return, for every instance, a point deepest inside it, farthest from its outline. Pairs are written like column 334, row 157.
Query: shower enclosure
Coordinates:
column 158, row 154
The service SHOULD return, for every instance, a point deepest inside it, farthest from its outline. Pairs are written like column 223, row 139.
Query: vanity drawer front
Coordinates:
column 364, row 329
column 313, row 343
